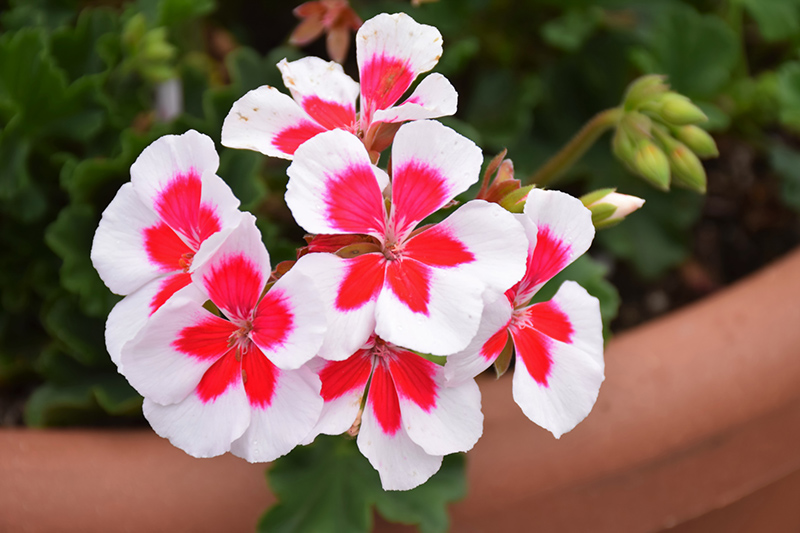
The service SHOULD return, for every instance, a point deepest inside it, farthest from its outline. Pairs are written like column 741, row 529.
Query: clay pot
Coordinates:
column 697, row 426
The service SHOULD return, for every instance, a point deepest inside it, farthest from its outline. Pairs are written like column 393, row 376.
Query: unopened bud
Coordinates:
column 609, row 207
column 687, row 170
column 679, row 110
column 651, row 163
column 515, row 200
column 698, row 140
column 623, row 146
column 644, row 89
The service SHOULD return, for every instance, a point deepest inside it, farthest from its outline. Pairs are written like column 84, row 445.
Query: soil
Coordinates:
column 743, row 227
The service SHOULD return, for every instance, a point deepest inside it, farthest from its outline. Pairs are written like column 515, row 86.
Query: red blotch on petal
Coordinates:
column 414, row 378
column 535, row 349
column 362, row 282
column 384, row 79
column 548, row 318
column 260, row 376
column 383, row 399
column 437, row 247
column 410, row 280
column 288, row 140
column 417, row 191
column 179, row 206
column 491, row 349
column 169, row 286
column 164, row 248
column 341, row 377
column 354, row 201
column 221, row 375
column 234, row 285
column 549, row 257
column 330, row 115
column 208, row 339
column 273, row 322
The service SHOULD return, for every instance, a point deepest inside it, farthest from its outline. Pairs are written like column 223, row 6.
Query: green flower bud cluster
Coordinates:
column 657, row 136
column 147, row 50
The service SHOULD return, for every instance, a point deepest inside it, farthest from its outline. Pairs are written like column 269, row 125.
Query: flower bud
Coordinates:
column 651, row 163
column 698, row 140
column 609, row 207
column 644, row 89
column 515, row 200
column 679, row 110
column 687, row 170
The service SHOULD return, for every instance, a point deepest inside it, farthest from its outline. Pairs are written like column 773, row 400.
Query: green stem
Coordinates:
column 576, row 147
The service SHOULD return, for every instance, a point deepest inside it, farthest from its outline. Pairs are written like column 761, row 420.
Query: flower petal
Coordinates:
column 434, row 97
column 392, row 50
column 343, row 384
column 235, row 274
column 448, row 320
column 401, row 464
column 323, row 90
column 555, row 381
column 289, row 324
column 480, row 239
column 347, row 299
column 585, row 321
column 268, row 121
column 487, row 344
column 202, row 428
column 439, row 418
column 563, row 232
column 279, row 426
column 119, row 251
column 166, row 360
column 333, row 187
column 431, row 164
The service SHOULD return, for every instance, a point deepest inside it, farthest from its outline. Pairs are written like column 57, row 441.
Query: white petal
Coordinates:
column 169, row 156
column 304, row 336
column 564, row 231
column 391, row 51
column 566, row 396
column 198, row 428
column 322, row 89
column 151, row 363
column 347, row 330
column 431, row 164
column 434, row 97
column 334, row 188
column 446, row 326
column 401, row 464
column 480, row 354
column 583, row 311
column 118, row 251
column 276, row 429
column 268, row 121
column 453, row 424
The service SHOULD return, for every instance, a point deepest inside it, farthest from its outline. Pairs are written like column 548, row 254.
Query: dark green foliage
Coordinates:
column 329, row 486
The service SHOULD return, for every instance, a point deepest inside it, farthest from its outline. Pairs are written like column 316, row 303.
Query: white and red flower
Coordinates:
column 558, row 343
column 410, row 417
column 415, row 287
column 392, row 50
column 148, row 237
column 233, row 381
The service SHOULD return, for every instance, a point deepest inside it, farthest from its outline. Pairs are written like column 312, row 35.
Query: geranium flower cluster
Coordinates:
column 233, row 356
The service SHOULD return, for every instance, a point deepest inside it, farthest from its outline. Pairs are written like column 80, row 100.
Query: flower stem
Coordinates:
column 576, row 147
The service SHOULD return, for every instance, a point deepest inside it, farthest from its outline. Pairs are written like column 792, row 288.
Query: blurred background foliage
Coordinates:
column 78, row 102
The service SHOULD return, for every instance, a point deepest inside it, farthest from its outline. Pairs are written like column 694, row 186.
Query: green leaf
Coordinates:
column 697, row 52
column 788, row 93
column 79, row 335
column 426, row 505
column 786, row 163
column 569, row 31
column 329, row 486
column 240, row 169
column 70, row 237
column 76, row 49
column 777, row 19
